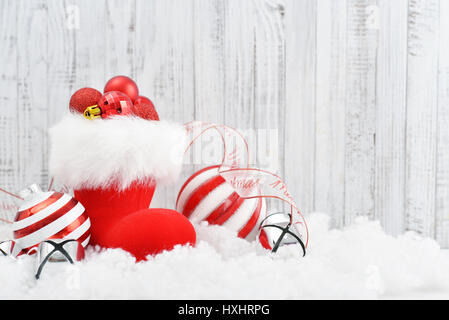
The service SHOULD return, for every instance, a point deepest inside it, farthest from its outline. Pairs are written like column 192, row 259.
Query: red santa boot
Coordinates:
column 114, row 165
column 106, row 206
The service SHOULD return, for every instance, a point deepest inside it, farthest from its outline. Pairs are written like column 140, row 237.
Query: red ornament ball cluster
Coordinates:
column 120, row 97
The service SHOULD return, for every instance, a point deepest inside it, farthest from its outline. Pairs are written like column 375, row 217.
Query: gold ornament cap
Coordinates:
column 92, row 112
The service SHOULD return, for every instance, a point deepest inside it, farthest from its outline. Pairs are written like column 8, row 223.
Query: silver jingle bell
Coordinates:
column 6, row 248
column 277, row 230
column 56, row 250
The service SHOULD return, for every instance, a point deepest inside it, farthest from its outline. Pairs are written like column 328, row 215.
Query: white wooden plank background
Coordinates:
column 330, row 106
column 442, row 178
column 391, row 92
column 348, row 100
column 421, row 116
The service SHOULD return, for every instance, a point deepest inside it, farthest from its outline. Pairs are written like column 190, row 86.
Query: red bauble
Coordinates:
column 144, row 108
column 207, row 196
column 151, row 231
column 107, row 206
column 115, row 103
column 84, row 98
column 123, row 84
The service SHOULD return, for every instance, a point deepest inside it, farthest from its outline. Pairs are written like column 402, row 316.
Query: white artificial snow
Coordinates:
column 358, row 262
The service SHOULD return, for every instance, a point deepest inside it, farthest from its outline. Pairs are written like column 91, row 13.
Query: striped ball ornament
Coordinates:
column 206, row 196
column 48, row 215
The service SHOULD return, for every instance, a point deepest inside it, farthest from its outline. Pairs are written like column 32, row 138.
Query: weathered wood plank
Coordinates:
column 300, row 115
column 33, row 89
column 163, row 56
column 421, row 115
column 361, row 49
column 390, row 113
column 210, row 68
column 209, row 31
column 238, row 66
column 330, row 109
column 9, row 155
column 442, row 178
column 269, row 85
column 119, row 33
column 86, row 22
column 61, row 53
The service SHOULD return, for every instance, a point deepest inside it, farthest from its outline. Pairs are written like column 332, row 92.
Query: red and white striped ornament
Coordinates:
column 207, row 196
column 48, row 215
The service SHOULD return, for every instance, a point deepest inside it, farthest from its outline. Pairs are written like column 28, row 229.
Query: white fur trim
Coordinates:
column 115, row 152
